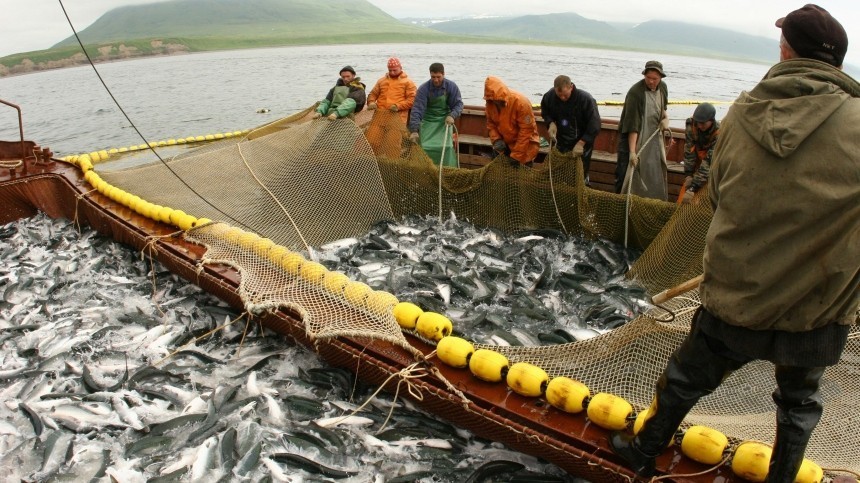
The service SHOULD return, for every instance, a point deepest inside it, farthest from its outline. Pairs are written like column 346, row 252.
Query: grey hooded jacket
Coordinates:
column 783, row 248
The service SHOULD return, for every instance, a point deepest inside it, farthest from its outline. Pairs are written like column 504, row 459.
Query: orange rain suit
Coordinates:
column 514, row 123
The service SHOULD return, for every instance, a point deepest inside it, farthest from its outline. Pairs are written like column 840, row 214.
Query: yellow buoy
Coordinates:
column 381, row 302
column 567, row 394
column 609, row 411
column 161, row 144
column 262, row 246
column 334, row 282
column 809, row 472
column 704, row 444
column 248, row 239
column 209, row 137
column 313, row 272
column 201, row 221
column 751, row 460
column 171, row 142
column 175, row 217
column 640, row 420
column 488, row 365
column 455, row 351
column 406, row 314
column 113, row 151
column 122, row 150
column 103, row 155
column 356, row 293
column 527, row 379
column 133, row 148
column 292, row 263
column 199, row 138
column 95, row 156
column 164, row 214
column 181, row 141
column 433, row 326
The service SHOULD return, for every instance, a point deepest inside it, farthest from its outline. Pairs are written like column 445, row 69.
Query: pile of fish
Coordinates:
column 114, row 369
column 539, row 287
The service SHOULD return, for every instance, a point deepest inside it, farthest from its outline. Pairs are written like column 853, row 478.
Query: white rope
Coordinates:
column 552, row 188
column 630, row 184
column 441, row 162
column 11, row 164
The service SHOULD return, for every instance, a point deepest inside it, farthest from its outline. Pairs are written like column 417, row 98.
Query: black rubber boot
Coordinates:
column 798, row 411
column 626, row 446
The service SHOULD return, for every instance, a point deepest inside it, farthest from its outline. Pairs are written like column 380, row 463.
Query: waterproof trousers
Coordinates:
column 696, row 369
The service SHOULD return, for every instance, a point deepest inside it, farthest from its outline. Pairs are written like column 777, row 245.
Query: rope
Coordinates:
column 311, row 253
column 441, row 162
column 552, row 186
column 11, row 164
column 630, row 185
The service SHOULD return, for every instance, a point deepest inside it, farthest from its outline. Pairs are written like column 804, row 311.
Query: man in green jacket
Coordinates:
column 782, row 253
column 640, row 150
column 345, row 98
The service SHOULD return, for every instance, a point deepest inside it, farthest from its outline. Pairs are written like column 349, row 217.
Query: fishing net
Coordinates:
column 296, row 184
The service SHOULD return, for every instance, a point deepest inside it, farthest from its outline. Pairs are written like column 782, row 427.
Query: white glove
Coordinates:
column 688, row 197
column 316, row 115
column 688, row 181
column 371, row 106
column 393, row 108
column 449, row 120
column 414, row 137
column 634, row 159
column 664, row 124
column 552, row 130
column 332, row 116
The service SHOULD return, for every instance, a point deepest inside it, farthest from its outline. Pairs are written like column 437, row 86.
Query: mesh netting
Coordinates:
column 296, row 184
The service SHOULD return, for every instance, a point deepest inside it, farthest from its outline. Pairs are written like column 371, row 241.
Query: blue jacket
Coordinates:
column 428, row 91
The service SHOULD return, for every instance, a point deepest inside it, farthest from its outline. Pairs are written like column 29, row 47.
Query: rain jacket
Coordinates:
column 515, row 123
column 698, row 152
column 576, row 118
column 633, row 113
column 783, row 249
column 428, row 91
column 389, row 91
column 343, row 99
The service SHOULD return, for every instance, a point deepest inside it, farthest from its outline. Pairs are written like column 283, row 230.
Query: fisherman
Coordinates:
column 437, row 105
column 640, row 149
column 345, row 98
column 395, row 93
column 781, row 260
column 701, row 136
column 511, row 123
column 571, row 115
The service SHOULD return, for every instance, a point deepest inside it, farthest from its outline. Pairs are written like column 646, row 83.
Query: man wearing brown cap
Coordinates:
column 640, row 150
column 345, row 98
column 782, row 257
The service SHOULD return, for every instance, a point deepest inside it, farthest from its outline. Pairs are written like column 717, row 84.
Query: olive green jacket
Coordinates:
column 783, row 248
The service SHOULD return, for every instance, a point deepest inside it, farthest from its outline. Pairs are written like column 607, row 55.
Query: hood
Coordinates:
column 495, row 89
column 791, row 102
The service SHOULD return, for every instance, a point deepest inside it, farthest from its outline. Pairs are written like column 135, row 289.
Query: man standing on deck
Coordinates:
column 571, row 115
column 393, row 93
column 701, row 133
column 640, row 147
column 782, row 253
column 437, row 105
column 345, row 98
column 511, row 123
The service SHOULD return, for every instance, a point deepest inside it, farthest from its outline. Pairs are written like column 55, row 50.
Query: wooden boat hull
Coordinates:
column 526, row 424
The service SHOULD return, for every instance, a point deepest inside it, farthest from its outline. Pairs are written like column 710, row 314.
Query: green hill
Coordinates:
column 202, row 25
column 287, row 20
column 657, row 36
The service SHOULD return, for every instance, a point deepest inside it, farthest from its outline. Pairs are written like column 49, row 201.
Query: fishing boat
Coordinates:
column 34, row 181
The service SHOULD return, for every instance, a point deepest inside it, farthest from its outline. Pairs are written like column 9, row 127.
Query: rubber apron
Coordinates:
column 433, row 132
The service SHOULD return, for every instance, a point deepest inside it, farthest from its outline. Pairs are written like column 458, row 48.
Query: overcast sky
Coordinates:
column 39, row 24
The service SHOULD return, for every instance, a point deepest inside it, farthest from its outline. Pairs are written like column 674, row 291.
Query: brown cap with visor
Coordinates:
column 814, row 34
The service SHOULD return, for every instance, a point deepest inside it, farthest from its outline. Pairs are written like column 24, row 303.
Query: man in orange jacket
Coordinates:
column 511, row 122
column 393, row 93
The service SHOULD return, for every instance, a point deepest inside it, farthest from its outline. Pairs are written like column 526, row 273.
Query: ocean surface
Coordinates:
column 197, row 94
column 80, row 313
